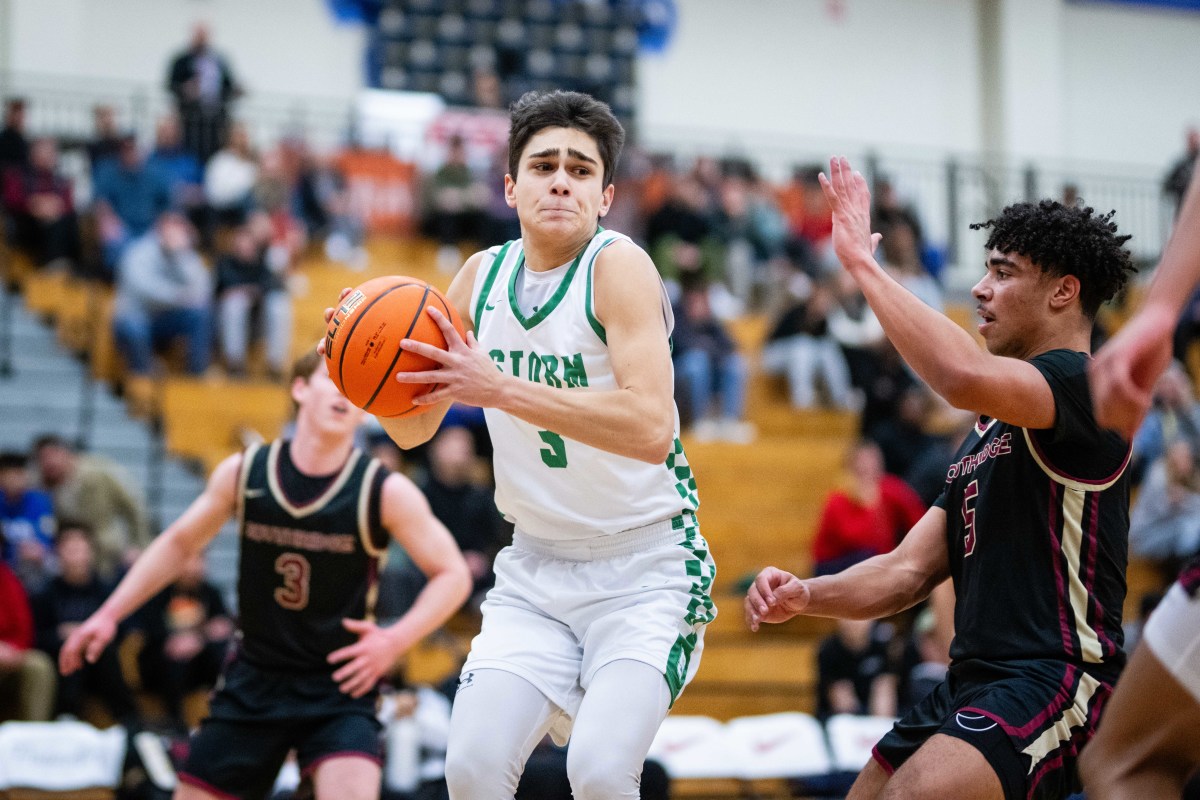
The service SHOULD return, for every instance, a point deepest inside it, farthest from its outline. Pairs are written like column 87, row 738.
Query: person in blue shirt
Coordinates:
column 27, row 521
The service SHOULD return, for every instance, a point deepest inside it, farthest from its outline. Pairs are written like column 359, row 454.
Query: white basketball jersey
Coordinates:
column 552, row 487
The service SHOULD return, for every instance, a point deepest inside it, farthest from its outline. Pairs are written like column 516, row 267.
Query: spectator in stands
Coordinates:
column 27, row 676
column 66, row 601
column 323, row 202
column 808, row 215
column 89, row 489
column 1164, row 524
column 180, row 168
column 130, row 197
column 187, row 631
column 800, row 347
column 855, row 327
column 164, row 291
column 107, row 139
column 452, row 205
column 26, row 520
column 902, row 259
column 41, row 203
column 856, row 673
column 229, row 179
column 463, row 503
column 890, row 209
column 682, row 237
column 868, row 517
column 903, row 438
column 1176, row 182
column 752, row 232
column 500, row 222
column 1174, row 414
column 251, row 286
column 203, row 86
column 14, row 146
column 711, row 372
column 886, row 378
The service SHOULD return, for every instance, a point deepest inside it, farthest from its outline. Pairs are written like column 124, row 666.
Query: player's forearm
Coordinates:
column 938, row 350
column 875, row 588
column 627, row 422
column 437, row 602
column 410, row 431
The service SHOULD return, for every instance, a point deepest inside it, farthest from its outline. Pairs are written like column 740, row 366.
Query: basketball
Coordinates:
column 362, row 343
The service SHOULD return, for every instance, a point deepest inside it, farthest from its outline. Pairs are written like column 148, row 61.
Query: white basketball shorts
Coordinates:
column 562, row 610
column 1173, row 635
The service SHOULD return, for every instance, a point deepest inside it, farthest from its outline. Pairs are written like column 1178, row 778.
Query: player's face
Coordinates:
column 1012, row 299
column 559, row 185
column 323, row 405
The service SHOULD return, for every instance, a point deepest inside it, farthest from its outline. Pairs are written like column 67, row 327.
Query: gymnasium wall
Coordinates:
column 1031, row 78
column 1134, row 78
column 289, row 47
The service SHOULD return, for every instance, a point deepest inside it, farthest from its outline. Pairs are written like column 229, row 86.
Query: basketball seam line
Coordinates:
column 399, row 350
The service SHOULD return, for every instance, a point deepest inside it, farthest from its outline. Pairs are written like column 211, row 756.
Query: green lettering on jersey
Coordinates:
column 497, row 358
column 574, row 375
column 517, row 355
column 554, row 456
column 551, row 363
column 535, row 368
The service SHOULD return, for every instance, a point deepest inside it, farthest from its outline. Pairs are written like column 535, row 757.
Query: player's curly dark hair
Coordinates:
column 1066, row 240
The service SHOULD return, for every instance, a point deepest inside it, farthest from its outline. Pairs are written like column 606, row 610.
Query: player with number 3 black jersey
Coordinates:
column 316, row 516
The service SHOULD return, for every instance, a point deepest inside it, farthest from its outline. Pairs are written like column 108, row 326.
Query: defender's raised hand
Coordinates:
column 850, row 200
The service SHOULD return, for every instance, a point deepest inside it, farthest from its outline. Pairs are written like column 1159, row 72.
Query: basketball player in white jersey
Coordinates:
column 596, row 621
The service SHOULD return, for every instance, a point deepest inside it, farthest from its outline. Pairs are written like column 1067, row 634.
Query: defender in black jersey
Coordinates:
column 1148, row 744
column 1031, row 525
column 315, row 517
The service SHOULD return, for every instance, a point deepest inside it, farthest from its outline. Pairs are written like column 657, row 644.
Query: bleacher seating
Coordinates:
column 435, row 45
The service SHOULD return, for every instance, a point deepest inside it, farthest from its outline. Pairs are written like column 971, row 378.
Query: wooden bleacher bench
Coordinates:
column 203, row 417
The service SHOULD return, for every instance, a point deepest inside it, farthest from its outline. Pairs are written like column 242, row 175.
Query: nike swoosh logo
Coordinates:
column 489, row 307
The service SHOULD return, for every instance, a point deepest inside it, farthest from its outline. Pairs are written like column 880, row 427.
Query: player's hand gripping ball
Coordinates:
column 362, row 343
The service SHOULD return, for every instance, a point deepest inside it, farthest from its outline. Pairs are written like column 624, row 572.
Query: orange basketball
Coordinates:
column 362, row 343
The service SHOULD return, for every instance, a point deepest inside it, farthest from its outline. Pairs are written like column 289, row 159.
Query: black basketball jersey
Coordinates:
column 1037, row 531
column 305, row 564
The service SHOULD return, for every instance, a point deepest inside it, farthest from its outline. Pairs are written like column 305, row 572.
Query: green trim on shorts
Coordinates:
column 700, row 610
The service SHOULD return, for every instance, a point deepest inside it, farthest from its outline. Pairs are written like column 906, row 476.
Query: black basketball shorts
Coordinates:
column 256, row 717
column 242, row 759
column 1028, row 719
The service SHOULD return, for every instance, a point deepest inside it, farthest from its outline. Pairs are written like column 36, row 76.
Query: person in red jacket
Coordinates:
column 27, row 676
column 867, row 519
column 42, row 204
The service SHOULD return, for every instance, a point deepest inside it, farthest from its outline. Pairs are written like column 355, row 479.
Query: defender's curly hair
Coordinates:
column 1066, row 240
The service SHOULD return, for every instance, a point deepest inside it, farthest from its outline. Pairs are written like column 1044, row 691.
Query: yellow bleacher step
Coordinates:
column 202, row 417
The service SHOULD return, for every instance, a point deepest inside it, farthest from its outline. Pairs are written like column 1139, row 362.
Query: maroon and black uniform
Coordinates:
column 1037, row 525
column 311, row 548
